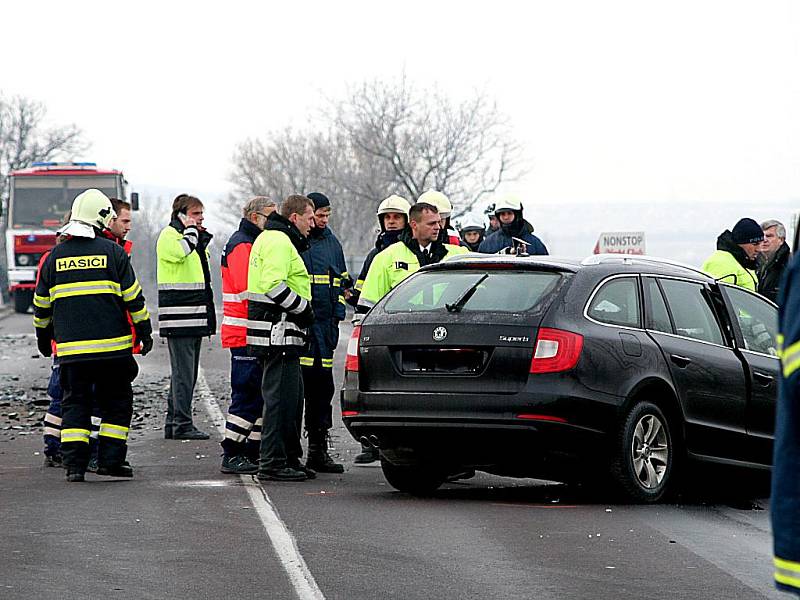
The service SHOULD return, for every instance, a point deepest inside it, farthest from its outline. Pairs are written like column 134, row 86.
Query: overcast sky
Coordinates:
column 614, row 101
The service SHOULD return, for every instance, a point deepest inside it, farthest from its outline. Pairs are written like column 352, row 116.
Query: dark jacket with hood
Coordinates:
column 518, row 228
column 770, row 272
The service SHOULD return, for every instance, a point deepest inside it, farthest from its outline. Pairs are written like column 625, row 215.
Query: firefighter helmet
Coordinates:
column 472, row 223
column 93, row 208
column 439, row 200
column 394, row 204
column 507, row 203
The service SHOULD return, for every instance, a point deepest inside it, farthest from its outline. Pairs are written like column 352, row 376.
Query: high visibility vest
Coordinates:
column 723, row 265
column 185, row 301
column 234, row 265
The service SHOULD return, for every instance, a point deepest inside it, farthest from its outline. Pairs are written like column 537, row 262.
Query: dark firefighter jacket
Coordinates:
column 785, row 502
column 185, row 300
column 85, row 291
column 503, row 238
column 278, row 290
column 234, row 264
column 327, row 271
column 771, row 271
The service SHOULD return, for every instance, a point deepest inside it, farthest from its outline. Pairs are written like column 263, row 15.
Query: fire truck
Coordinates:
column 39, row 197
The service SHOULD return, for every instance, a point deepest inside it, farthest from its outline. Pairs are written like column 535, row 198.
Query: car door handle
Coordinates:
column 681, row 361
column 763, row 378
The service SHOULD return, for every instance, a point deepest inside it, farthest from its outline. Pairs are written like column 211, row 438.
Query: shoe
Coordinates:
column 192, row 434
column 74, row 475
column 53, row 460
column 92, row 466
column 121, row 470
column 238, row 465
column 369, row 455
column 284, row 474
column 320, row 461
column 310, row 473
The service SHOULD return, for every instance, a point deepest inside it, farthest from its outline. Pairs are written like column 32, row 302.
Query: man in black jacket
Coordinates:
column 773, row 259
column 86, row 290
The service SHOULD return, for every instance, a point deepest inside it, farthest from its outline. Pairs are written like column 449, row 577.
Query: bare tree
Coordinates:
column 380, row 139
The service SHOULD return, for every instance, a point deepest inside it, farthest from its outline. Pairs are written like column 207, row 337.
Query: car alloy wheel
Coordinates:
column 650, row 451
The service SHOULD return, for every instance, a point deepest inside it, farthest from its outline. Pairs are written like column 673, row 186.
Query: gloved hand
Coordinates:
column 147, row 345
column 44, row 346
column 306, row 318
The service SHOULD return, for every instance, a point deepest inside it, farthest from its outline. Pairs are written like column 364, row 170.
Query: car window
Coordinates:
column 658, row 316
column 617, row 303
column 691, row 313
column 758, row 321
column 496, row 291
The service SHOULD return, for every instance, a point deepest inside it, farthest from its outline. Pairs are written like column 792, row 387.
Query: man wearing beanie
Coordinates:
column 326, row 268
column 735, row 258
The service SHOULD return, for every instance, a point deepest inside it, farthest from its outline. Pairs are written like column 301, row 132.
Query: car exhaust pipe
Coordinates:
column 365, row 441
column 374, row 441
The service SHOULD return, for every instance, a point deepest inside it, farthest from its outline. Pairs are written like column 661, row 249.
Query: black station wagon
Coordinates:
column 559, row 369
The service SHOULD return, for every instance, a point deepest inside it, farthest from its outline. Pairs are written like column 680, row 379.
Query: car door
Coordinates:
column 755, row 322
column 706, row 370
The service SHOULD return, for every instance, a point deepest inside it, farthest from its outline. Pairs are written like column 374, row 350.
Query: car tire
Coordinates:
column 417, row 480
column 644, row 454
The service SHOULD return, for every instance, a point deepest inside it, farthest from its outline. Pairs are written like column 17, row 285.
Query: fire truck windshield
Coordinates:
column 43, row 201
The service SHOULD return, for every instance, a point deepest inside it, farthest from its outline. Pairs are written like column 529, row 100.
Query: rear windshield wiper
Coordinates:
column 464, row 298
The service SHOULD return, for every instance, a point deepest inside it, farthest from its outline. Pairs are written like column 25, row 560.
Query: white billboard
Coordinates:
column 620, row 242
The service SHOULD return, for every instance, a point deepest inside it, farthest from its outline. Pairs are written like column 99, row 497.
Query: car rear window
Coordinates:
column 475, row 290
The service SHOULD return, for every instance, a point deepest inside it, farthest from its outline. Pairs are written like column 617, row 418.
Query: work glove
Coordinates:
column 147, row 345
column 306, row 318
column 44, row 345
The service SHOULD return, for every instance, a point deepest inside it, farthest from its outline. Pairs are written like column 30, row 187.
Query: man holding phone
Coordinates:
column 185, row 309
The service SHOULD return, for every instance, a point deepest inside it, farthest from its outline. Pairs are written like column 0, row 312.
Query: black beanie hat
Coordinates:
column 747, row 231
column 319, row 200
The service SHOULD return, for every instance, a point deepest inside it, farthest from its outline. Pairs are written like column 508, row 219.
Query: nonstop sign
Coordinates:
column 620, row 242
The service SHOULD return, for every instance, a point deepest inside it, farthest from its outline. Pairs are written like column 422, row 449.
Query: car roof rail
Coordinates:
column 635, row 259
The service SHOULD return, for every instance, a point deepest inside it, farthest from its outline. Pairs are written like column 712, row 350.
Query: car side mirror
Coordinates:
column 134, row 200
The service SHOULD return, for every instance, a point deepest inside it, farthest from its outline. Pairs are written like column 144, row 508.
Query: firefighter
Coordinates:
column 326, row 267
column 86, row 287
column 393, row 219
column 494, row 224
column 785, row 502
column 240, row 446
column 279, row 314
column 185, row 309
column 420, row 246
column 472, row 232
column 447, row 233
column 515, row 235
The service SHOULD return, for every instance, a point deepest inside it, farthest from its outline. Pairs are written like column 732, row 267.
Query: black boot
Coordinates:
column 318, row 458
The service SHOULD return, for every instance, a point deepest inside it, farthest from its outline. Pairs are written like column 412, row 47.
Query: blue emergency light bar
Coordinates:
column 64, row 164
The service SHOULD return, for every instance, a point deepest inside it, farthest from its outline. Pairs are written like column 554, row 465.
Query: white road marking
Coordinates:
column 282, row 540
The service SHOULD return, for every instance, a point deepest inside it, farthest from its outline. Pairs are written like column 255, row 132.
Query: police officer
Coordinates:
column 279, row 314
column 419, row 246
column 326, row 267
column 185, row 308
column 734, row 260
column 515, row 233
column 240, row 446
column 86, row 288
column 785, row 500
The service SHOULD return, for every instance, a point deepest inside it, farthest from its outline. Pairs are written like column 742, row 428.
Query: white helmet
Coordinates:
column 472, row 222
column 394, row 204
column 507, row 203
column 439, row 200
column 93, row 208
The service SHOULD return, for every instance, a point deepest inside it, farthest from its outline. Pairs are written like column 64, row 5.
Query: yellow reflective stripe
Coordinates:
column 320, row 279
column 337, row 282
column 84, row 288
column 41, row 301
column 41, row 323
column 133, row 291
column 341, row 299
column 359, row 284
column 779, row 340
column 92, row 346
column 306, row 361
column 140, row 315
column 74, row 435
column 790, row 357
column 118, row 432
column 345, row 275
column 787, row 572
column 327, row 363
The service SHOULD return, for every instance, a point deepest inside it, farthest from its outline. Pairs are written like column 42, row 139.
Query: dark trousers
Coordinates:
column 108, row 384
column 282, row 390
column 243, row 424
column 52, row 418
column 184, row 361
column 319, row 390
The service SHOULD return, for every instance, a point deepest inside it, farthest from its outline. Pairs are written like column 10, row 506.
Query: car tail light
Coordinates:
column 351, row 362
column 556, row 350
column 349, row 413
column 537, row 417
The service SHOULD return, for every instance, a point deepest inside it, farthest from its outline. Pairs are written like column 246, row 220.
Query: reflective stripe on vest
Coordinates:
column 94, row 346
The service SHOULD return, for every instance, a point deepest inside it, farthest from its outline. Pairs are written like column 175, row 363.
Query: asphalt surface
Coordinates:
column 181, row 529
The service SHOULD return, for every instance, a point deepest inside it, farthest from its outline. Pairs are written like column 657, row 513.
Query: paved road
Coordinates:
column 181, row 529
